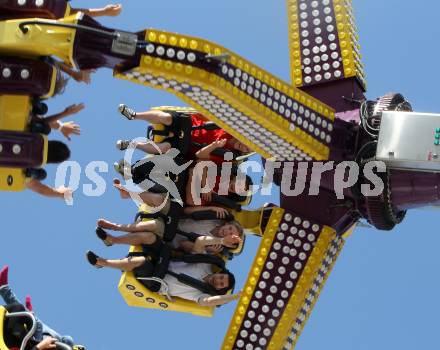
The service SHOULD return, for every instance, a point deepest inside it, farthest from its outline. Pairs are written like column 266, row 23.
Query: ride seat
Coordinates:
column 179, row 133
column 137, row 295
column 22, row 155
column 23, row 76
column 50, row 9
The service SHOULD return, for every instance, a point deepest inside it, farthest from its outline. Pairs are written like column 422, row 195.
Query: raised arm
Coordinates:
column 218, row 299
column 53, row 120
column 221, row 213
column 109, row 10
column 83, row 75
column 40, row 188
column 45, row 344
column 205, row 152
column 68, row 128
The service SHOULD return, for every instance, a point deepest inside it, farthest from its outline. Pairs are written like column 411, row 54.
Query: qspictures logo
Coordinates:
column 163, row 170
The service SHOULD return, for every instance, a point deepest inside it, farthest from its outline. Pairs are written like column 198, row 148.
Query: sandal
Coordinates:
column 122, row 145
column 92, row 258
column 123, row 168
column 102, row 235
column 127, row 112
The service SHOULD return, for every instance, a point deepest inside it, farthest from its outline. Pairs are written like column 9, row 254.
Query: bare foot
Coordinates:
column 108, row 225
column 122, row 191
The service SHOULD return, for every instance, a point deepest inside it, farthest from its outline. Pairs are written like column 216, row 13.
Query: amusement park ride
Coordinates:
column 321, row 115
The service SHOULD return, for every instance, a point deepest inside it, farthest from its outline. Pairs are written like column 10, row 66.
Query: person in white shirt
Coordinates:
column 221, row 282
column 201, row 272
column 214, row 234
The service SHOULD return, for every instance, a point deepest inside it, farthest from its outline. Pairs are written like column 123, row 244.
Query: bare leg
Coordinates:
column 137, row 238
column 149, row 198
column 126, row 264
column 155, row 117
column 122, row 191
column 152, row 199
column 164, row 147
column 142, row 226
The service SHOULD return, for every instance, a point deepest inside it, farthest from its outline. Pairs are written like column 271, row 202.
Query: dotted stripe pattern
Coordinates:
column 142, row 299
column 320, row 50
column 257, row 134
column 289, row 253
column 354, row 42
column 298, row 115
column 313, row 294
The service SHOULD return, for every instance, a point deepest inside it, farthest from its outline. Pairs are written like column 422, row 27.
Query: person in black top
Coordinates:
column 42, row 331
column 16, row 328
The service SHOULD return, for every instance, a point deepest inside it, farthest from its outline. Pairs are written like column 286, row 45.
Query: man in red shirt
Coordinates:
column 200, row 137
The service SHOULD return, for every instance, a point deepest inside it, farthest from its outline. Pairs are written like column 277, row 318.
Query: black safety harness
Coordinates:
column 141, row 171
column 158, row 257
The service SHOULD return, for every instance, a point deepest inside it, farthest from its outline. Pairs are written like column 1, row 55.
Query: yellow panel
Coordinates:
column 14, row 116
column 68, row 10
column 135, row 294
column 294, row 43
column 323, row 42
column 301, row 290
column 52, row 84
column 176, row 109
column 45, row 150
column 12, row 179
column 14, row 112
column 276, row 127
column 250, row 220
column 349, row 232
column 2, row 320
column 349, row 40
column 286, row 138
column 298, row 258
column 327, row 263
column 253, row 276
column 39, row 40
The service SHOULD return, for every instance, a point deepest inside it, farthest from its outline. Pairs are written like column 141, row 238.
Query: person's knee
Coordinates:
column 165, row 147
column 147, row 238
column 157, row 199
column 137, row 261
column 167, row 119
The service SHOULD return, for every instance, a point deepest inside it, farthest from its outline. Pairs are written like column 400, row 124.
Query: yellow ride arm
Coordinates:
column 265, row 113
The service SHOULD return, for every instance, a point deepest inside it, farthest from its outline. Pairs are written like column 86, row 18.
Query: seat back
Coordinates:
column 20, row 151
column 137, row 295
column 23, row 76
column 14, row 112
column 2, row 324
column 19, row 324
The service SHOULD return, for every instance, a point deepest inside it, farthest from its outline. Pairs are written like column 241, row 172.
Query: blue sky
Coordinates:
column 384, row 290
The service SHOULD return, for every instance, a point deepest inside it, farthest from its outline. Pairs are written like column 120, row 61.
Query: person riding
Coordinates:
column 45, row 125
column 200, row 137
column 143, row 173
column 43, row 333
column 212, row 235
column 58, row 152
column 221, row 282
column 16, row 329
